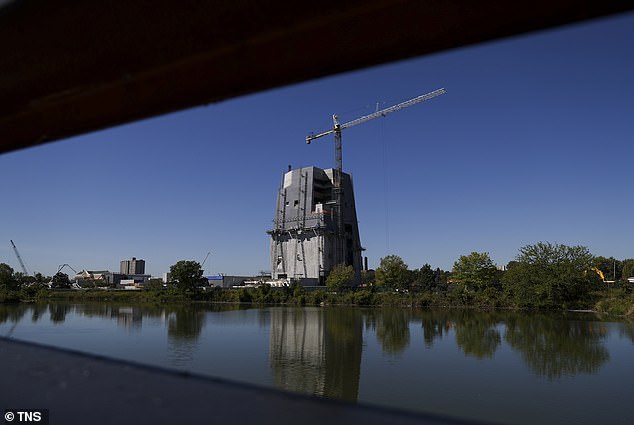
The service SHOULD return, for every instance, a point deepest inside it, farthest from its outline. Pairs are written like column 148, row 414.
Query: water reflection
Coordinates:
column 554, row 347
column 391, row 327
column 37, row 312
column 317, row 351
column 58, row 312
column 184, row 325
column 435, row 324
column 476, row 333
column 627, row 331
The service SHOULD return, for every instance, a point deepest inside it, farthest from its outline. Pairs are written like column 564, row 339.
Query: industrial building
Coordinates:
column 133, row 266
column 309, row 237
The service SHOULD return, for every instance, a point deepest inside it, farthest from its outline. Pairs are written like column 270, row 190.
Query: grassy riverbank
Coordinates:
column 613, row 301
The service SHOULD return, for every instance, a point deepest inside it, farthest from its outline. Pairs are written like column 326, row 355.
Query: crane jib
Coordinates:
column 380, row 113
column 393, row 108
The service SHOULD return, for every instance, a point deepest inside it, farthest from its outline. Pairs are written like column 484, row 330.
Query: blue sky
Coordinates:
column 532, row 142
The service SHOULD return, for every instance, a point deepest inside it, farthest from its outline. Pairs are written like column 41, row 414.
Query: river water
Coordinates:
column 508, row 367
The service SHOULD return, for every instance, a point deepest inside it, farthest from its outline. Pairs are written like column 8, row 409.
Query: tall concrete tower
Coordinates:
column 132, row 266
column 304, row 240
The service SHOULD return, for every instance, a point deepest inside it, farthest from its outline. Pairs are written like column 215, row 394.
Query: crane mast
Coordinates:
column 336, row 175
column 17, row 254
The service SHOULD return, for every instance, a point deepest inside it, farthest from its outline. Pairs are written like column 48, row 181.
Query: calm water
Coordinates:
column 510, row 367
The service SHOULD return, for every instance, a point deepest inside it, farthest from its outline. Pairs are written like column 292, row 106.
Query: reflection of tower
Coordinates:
column 296, row 349
column 128, row 317
column 317, row 351
column 304, row 236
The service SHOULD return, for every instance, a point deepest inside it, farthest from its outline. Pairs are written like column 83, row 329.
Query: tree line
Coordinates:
column 542, row 275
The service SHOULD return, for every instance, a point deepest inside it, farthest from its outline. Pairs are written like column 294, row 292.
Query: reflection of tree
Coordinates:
column 58, row 312
column 392, row 329
column 184, row 325
column 626, row 329
column 344, row 344
column 37, row 310
column 12, row 313
column 552, row 347
column 476, row 334
column 435, row 324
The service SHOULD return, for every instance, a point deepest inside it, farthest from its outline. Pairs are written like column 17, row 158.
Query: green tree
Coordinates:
column 367, row 277
column 628, row 268
column 441, row 276
column 41, row 279
column 550, row 275
column 23, row 280
column 475, row 271
column 424, row 278
column 340, row 276
column 61, row 280
column 392, row 273
column 188, row 275
column 154, row 284
column 7, row 277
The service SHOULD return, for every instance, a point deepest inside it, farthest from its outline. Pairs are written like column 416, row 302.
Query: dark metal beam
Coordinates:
column 86, row 389
column 71, row 66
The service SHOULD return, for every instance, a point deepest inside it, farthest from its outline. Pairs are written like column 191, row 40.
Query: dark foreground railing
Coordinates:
column 78, row 388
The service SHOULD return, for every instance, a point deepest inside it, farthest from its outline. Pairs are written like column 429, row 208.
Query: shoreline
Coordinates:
column 610, row 304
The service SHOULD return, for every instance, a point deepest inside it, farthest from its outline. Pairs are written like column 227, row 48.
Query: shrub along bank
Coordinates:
column 616, row 300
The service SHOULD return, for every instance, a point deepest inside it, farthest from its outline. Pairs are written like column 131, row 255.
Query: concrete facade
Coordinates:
column 304, row 241
column 132, row 266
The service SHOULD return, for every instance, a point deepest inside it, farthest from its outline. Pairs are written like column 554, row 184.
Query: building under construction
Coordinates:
column 315, row 225
column 309, row 236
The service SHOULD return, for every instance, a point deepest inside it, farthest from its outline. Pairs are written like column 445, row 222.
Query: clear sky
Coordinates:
column 532, row 142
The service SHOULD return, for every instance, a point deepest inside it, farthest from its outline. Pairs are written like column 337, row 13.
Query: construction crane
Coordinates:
column 59, row 269
column 17, row 254
column 336, row 130
column 204, row 261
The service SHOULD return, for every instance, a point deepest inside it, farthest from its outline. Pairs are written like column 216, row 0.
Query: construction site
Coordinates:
column 315, row 226
column 310, row 236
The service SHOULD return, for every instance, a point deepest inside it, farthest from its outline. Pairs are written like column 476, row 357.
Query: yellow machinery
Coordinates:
column 600, row 273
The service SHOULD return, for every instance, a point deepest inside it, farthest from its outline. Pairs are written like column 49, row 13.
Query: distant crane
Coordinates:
column 17, row 254
column 204, row 261
column 59, row 269
column 336, row 129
